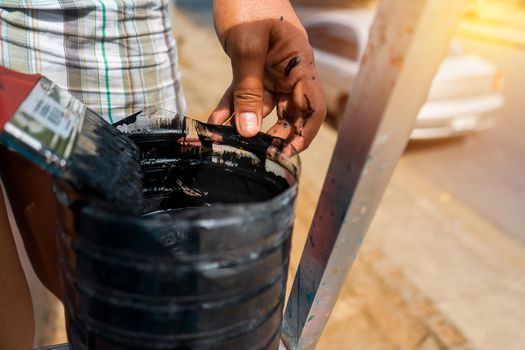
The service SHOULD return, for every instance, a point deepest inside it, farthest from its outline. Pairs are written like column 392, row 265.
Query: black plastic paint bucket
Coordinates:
column 205, row 266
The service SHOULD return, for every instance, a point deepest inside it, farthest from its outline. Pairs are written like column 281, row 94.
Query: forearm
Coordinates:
column 231, row 13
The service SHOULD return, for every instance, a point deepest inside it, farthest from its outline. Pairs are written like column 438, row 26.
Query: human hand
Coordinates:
column 273, row 66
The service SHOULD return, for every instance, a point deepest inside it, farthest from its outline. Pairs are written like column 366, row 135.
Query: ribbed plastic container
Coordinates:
column 205, row 266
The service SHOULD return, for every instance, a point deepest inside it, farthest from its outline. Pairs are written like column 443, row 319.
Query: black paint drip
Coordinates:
column 309, row 110
column 294, row 62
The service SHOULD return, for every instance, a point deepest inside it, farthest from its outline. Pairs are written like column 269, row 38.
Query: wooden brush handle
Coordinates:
column 14, row 88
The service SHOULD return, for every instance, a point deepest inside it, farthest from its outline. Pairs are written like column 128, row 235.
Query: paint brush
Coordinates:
column 54, row 130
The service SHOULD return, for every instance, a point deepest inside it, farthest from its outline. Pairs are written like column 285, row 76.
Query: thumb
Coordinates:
column 248, row 92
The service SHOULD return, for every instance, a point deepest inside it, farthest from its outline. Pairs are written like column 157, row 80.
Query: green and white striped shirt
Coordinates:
column 117, row 56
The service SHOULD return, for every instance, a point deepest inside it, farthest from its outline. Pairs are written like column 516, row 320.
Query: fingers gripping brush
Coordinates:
column 57, row 132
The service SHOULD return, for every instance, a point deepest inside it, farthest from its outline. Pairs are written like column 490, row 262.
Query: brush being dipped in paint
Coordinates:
column 57, row 132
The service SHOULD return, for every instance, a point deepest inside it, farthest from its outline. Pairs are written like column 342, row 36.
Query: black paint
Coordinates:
column 309, row 110
column 193, row 179
column 292, row 63
column 187, row 182
column 285, row 114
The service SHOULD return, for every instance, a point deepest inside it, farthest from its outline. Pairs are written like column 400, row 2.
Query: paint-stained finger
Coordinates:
column 308, row 100
column 286, row 109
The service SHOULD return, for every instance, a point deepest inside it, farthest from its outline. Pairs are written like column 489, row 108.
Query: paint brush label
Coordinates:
column 48, row 121
column 52, row 115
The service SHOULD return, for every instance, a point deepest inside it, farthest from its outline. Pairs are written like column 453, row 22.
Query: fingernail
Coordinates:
column 249, row 123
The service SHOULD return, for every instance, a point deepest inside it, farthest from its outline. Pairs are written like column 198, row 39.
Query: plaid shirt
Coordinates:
column 117, row 56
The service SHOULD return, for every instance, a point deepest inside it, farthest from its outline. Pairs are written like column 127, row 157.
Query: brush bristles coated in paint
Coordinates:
column 58, row 133
column 106, row 161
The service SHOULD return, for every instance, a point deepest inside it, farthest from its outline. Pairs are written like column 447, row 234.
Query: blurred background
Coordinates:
column 443, row 265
